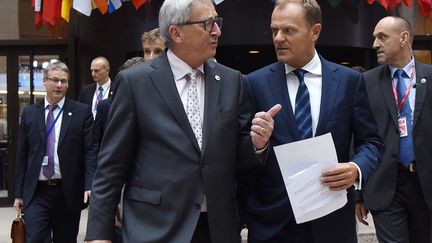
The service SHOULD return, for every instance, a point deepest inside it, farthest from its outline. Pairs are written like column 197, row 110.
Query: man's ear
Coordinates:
column 316, row 31
column 404, row 38
column 175, row 33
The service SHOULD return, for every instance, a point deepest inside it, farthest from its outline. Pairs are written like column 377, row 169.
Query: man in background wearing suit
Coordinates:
column 333, row 99
column 178, row 128
column 399, row 194
column 152, row 43
column 100, row 89
column 55, row 162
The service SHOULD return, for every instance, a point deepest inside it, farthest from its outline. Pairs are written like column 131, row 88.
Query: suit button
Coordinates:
column 197, row 206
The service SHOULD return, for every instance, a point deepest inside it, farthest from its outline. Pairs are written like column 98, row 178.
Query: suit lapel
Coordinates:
column 278, row 86
column 163, row 80
column 330, row 86
column 40, row 119
column 212, row 86
column 421, row 90
column 67, row 115
column 387, row 92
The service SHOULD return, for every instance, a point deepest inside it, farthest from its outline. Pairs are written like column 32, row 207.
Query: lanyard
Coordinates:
column 104, row 94
column 53, row 124
column 405, row 96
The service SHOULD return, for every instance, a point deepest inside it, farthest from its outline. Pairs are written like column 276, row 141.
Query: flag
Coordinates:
column 65, row 9
column 36, row 5
column 334, row 3
column 139, row 3
column 408, row 3
column 83, row 6
column 425, row 7
column 102, row 5
column 51, row 11
column 113, row 5
column 393, row 4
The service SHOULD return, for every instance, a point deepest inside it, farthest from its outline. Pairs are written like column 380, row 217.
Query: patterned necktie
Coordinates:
column 303, row 115
column 99, row 97
column 192, row 107
column 406, row 148
column 48, row 170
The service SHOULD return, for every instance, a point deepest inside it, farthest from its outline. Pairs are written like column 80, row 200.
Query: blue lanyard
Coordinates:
column 53, row 124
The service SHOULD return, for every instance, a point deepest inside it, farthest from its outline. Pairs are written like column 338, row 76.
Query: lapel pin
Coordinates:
column 70, row 113
column 423, row 80
column 217, row 77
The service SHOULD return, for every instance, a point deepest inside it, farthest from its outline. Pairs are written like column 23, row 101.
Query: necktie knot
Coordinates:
column 192, row 74
column 300, row 74
column 399, row 73
column 51, row 108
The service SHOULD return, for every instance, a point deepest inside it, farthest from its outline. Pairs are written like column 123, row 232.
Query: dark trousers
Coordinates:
column 202, row 232
column 290, row 233
column 49, row 219
column 408, row 218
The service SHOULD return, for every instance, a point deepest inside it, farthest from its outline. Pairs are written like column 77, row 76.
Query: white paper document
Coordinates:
column 301, row 164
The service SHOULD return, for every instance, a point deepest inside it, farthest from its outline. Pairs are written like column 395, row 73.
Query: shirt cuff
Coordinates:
column 260, row 151
column 357, row 184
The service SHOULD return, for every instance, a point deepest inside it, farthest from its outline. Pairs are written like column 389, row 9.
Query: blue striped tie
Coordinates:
column 303, row 115
column 406, row 147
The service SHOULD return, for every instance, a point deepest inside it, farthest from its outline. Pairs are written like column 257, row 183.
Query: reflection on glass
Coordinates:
column 24, row 89
column 3, row 128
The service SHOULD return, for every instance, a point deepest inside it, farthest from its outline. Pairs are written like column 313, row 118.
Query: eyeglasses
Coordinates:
column 208, row 23
column 55, row 80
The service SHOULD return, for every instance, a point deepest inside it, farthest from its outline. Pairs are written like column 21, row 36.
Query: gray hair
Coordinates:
column 57, row 65
column 175, row 12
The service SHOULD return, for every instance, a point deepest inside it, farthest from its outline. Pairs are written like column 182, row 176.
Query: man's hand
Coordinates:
column 262, row 126
column 340, row 178
column 361, row 213
column 18, row 205
column 86, row 196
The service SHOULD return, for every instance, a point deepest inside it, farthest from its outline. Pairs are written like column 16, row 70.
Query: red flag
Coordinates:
column 102, row 5
column 393, row 4
column 38, row 15
column 51, row 11
column 138, row 3
column 408, row 3
column 371, row 1
column 425, row 7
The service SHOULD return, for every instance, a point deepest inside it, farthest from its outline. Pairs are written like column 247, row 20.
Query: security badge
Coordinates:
column 403, row 128
column 45, row 161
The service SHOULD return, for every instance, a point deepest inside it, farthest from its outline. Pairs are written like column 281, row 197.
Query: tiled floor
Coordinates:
column 7, row 214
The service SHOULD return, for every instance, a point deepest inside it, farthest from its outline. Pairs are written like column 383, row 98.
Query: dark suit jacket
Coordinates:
column 87, row 93
column 380, row 189
column 344, row 111
column 101, row 121
column 76, row 155
column 150, row 145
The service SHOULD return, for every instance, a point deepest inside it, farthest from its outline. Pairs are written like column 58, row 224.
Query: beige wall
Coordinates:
column 9, row 19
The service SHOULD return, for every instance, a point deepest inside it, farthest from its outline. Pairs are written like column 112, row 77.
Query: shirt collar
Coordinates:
column 179, row 67
column 408, row 69
column 314, row 66
column 105, row 86
column 59, row 104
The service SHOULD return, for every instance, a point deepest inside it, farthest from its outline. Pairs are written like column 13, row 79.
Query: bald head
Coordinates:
column 393, row 40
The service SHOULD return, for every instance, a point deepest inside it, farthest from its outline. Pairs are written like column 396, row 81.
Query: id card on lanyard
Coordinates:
column 402, row 120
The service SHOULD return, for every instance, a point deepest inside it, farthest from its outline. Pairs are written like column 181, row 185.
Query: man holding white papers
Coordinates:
column 317, row 97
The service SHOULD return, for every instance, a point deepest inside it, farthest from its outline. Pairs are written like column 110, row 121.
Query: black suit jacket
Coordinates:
column 87, row 93
column 150, row 145
column 380, row 189
column 75, row 151
column 101, row 121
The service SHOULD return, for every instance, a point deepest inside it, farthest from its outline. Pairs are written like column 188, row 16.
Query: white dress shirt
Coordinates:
column 313, row 81
column 57, row 127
